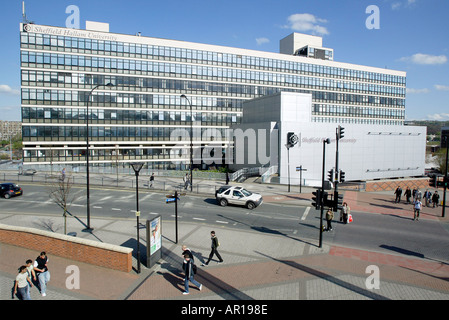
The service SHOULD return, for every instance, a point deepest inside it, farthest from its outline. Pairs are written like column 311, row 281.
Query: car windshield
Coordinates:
column 246, row 192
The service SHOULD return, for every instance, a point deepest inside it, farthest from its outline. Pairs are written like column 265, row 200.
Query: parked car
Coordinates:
column 8, row 190
column 239, row 196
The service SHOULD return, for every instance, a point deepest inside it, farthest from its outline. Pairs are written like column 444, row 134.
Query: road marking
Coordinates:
column 306, row 212
column 154, row 213
column 116, row 209
column 199, row 219
column 105, row 198
column 218, row 221
column 97, row 207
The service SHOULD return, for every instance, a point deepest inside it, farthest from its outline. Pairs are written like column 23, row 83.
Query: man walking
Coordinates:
column 435, row 199
column 214, row 245
column 151, row 181
column 41, row 269
column 398, row 193
column 189, row 274
column 417, row 207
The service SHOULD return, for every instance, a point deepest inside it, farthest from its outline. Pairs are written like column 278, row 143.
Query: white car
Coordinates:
column 239, row 196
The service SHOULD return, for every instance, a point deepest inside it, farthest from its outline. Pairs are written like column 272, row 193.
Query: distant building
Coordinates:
column 10, row 129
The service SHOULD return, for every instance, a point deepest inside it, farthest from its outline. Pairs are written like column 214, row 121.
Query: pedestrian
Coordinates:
column 417, row 209
column 329, row 217
column 408, row 195
column 427, row 197
column 414, row 193
column 186, row 181
column 214, row 245
column 344, row 213
column 31, row 273
column 418, row 195
column 41, row 269
column 187, row 251
column 227, row 178
column 189, row 272
column 151, row 180
column 435, row 199
column 398, row 193
column 22, row 282
column 63, row 174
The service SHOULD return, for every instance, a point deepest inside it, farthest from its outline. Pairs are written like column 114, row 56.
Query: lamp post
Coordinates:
column 191, row 141
column 137, row 166
column 325, row 141
column 88, row 228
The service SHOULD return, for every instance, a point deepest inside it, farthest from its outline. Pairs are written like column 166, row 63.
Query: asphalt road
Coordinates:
column 375, row 232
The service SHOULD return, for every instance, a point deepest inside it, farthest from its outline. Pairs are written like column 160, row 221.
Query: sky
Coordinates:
column 405, row 35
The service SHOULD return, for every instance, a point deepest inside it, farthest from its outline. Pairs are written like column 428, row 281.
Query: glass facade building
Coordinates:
column 135, row 119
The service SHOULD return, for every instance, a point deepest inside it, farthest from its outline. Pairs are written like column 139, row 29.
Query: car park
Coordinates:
column 8, row 190
column 238, row 196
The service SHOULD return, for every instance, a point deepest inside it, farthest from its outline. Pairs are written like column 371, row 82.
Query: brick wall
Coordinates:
column 83, row 250
column 391, row 185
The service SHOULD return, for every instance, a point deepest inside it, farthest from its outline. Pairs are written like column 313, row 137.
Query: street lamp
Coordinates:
column 191, row 141
column 88, row 228
column 137, row 166
column 325, row 141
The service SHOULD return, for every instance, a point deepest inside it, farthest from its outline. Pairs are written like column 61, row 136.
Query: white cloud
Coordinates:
column 261, row 41
column 420, row 58
column 417, row 91
column 398, row 4
column 4, row 88
column 306, row 22
column 441, row 87
column 438, row 116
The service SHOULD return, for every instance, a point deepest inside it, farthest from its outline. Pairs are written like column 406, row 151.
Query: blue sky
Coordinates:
column 412, row 35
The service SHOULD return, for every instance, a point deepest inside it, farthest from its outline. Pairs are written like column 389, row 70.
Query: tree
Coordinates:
column 60, row 193
column 441, row 160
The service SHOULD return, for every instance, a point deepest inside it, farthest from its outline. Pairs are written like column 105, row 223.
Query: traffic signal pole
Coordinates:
column 445, row 178
column 326, row 141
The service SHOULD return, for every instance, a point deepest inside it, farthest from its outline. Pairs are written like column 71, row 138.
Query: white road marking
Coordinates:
column 306, row 212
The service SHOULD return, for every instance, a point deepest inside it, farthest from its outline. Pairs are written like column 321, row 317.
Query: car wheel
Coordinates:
column 250, row 205
column 223, row 202
column 7, row 195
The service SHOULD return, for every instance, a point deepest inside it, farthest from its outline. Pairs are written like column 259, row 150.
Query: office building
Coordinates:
column 141, row 116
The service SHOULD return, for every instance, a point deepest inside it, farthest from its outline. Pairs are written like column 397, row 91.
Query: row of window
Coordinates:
column 358, row 121
column 216, row 73
column 131, row 116
column 132, row 100
column 48, row 42
column 358, row 112
column 125, row 133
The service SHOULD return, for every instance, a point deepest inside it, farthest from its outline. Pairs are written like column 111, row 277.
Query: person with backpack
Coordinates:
column 189, row 270
column 214, row 245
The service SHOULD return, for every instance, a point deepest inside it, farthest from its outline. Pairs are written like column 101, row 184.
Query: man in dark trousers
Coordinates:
column 214, row 250
column 398, row 193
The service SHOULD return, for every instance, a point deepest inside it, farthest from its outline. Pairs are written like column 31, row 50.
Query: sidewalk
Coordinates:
column 257, row 265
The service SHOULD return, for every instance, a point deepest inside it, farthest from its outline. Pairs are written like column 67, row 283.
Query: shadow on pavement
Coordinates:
column 327, row 277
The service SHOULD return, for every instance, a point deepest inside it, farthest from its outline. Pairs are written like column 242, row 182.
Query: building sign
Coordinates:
column 68, row 32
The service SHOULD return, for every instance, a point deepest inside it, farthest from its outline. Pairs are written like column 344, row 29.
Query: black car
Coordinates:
column 8, row 190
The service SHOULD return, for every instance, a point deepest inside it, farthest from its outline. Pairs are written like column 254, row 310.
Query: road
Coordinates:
column 375, row 232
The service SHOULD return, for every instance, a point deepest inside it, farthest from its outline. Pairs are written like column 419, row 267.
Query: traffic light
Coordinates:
column 326, row 201
column 316, row 199
column 342, row 176
column 433, row 181
column 340, row 132
column 330, row 175
column 338, row 201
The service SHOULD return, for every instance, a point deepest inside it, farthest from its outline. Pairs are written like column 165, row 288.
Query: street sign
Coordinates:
column 300, row 169
column 168, row 200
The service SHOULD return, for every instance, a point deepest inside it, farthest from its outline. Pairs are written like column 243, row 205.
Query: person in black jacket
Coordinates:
column 189, row 274
column 215, row 244
column 187, row 251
